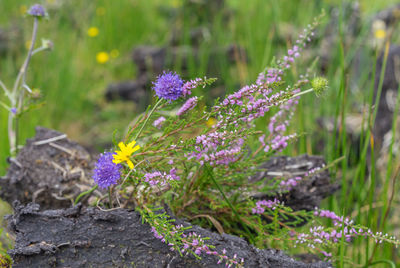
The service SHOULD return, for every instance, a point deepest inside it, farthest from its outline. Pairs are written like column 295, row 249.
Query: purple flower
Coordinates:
column 14, row 110
column 168, row 86
column 106, row 172
column 37, row 11
column 158, row 122
column 187, row 106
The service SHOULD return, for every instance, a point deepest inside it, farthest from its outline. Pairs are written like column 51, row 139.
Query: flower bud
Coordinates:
column 319, row 85
column 47, row 44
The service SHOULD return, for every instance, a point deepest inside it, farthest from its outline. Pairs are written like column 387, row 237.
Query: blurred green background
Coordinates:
column 72, row 79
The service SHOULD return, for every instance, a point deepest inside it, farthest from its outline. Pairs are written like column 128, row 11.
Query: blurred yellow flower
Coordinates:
column 28, row 44
column 211, row 121
column 23, row 9
column 102, row 57
column 114, row 53
column 176, row 3
column 125, row 153
column 93, row 31
column 380, row 34
column 100, row 11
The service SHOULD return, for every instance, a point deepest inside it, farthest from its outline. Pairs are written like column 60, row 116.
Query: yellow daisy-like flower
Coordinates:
column 125, row 153
column 93, row 31
column 102, row 57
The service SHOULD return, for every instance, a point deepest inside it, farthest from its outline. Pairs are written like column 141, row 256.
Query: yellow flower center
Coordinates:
column 93, row 31
column 102, row 57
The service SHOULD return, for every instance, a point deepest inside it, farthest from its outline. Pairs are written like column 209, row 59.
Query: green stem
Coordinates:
column 147, row 119
column 229, row 203
column 85, row 193
column 109, row 198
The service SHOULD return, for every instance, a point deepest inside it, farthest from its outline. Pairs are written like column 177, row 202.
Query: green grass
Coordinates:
column 72, row 83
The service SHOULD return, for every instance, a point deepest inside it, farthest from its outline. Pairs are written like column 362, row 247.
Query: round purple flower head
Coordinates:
column 106, row 173
column 37, row 11
column 168, row 86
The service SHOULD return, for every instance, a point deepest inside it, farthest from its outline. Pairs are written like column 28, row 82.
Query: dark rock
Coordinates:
column 51, row 174
column 149, row 59
column 390, row 15
column 93, row 238
column 390, row 87
column 129, row 90
column 307, row 194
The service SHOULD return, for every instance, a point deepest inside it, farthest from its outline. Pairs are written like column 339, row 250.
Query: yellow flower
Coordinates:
column 93, row 31
column 28, row 44
column 125, row 153
column 100, row 11
column 23, row 9
column 380, row 34
column 114, row 53
column 102, row 57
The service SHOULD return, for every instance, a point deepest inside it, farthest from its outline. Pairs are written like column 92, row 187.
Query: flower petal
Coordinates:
column 122, row 146
column 130, row 164
column 131, row 144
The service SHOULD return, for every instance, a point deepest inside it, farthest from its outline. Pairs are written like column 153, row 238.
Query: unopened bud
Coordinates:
column 47, row 44
column 36, row 94
column 319, row 85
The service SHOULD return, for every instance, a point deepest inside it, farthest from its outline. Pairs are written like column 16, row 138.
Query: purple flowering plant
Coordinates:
column 201, row 170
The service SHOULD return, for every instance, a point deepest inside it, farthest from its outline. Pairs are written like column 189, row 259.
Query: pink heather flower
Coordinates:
column 168, row 86
column 189, row 85
column 187, row 106
column 158, row 122
column 161, row 178
column 260, row 206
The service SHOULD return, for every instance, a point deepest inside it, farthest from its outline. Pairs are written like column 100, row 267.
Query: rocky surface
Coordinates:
column 50, row 170
column 88, row 237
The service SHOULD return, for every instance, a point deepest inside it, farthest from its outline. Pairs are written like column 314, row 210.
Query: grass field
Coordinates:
column 73, row 82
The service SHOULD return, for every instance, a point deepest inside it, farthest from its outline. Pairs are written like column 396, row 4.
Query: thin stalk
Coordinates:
column 85, row 193
column 6, row 91
column 229, row 203
column 17, row 101
column 147, row 119
column 110, row 205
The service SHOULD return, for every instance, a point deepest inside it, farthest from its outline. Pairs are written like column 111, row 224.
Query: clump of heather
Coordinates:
column 174, row 157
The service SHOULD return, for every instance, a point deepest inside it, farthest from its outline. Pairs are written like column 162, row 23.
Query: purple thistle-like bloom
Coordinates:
column 187, row 106
column 168, row 86
column 106, row 172
column 37, row 11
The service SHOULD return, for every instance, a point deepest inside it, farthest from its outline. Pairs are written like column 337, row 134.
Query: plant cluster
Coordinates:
column 200, row 170
column 21, row 97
